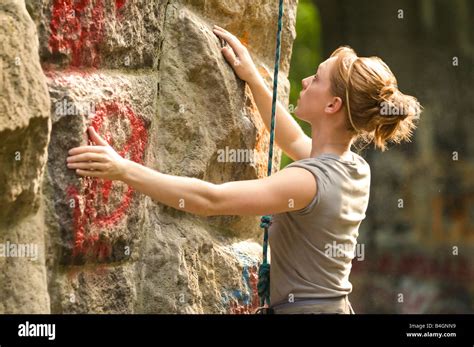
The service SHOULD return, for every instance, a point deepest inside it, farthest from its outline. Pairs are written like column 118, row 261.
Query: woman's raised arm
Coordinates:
column 288, row 134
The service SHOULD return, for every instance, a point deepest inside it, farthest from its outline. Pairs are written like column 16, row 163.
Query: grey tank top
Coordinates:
column 312, row 248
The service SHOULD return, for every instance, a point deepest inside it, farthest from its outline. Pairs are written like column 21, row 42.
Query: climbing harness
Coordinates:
column 263, row 285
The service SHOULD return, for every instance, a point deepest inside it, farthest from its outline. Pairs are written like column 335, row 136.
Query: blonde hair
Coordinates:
column 376, row 109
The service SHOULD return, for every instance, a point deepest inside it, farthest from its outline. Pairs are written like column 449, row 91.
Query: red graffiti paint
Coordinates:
column 74, row 33
column 89, row 221
column 77, row 28
column 119, row 3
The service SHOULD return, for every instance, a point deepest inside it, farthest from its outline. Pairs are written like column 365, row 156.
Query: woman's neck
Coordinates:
column 324, row 142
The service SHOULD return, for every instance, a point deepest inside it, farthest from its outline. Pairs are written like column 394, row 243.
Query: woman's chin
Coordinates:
column 298, row 113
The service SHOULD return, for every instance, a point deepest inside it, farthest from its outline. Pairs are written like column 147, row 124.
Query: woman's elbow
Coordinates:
column 213, row 202
column 206, row 210
column 204, row 202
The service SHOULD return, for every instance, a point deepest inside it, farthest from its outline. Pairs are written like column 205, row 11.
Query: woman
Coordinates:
column 319, row 201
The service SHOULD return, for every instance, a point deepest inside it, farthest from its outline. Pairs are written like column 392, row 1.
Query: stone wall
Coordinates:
column 150, row 77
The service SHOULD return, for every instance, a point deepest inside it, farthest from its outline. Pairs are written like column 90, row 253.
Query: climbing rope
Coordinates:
column 263, row 285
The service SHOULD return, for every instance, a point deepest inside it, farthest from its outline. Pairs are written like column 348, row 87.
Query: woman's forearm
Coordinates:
column 183, row 193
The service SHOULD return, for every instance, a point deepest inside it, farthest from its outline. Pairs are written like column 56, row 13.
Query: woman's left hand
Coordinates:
column 100, row 160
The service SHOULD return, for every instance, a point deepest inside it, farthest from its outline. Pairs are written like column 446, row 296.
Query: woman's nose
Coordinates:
column 304, row 82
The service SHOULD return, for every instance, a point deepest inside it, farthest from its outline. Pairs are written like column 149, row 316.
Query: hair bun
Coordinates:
column 376, row 109
column 387, row 91
column 395, row 104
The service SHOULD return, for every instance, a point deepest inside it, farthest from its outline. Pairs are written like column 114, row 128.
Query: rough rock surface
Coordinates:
column 24, row 136
column 149, row 76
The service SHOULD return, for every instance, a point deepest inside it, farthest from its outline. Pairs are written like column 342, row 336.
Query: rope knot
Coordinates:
column 265, row 222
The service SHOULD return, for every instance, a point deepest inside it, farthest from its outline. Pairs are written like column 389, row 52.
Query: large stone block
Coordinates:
column 188, row 267
column 100, row 33
column 24, row 136
column 24, row 116
column 98, row 220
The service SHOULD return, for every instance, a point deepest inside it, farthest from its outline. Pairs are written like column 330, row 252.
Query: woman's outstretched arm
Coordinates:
column 288, row 190
column 288, row 134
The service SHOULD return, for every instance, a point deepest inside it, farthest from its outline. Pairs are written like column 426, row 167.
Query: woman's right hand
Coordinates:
column 238, row 56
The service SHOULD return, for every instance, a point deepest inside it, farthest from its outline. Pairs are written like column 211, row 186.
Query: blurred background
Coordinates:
column 418, row 236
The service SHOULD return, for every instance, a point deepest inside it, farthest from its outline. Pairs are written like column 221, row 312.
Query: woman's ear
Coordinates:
column 334, row 105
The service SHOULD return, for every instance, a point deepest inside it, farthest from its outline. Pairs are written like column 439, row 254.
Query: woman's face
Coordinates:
column 316, row 94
